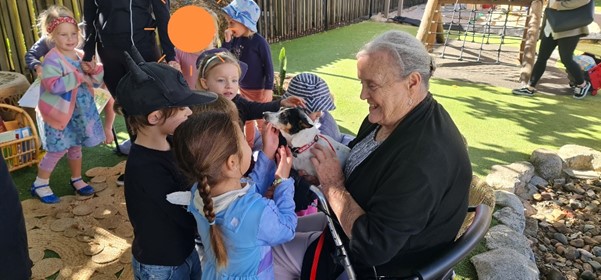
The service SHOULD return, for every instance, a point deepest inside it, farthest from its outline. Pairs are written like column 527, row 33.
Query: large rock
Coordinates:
column 509, row 217
column 580, row 157
column 501, row 236
column 547, row 164
column 509, row 177
column 507, row 199
column 526, row 191
column 503, row 264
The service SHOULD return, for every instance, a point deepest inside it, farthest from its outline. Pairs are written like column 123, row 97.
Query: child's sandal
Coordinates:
column 49, row 199
column 85, row 191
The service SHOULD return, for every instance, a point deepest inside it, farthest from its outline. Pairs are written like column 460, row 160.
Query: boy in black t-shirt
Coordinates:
column 155, row 99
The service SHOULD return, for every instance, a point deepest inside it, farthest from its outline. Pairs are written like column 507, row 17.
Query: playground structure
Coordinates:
column 468, row 25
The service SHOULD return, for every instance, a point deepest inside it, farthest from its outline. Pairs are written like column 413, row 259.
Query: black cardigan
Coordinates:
column 414, row 190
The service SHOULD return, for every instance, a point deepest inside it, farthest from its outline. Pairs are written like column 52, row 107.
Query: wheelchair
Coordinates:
column 442, row 265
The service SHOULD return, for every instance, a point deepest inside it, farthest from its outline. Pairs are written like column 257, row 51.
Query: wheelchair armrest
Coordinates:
column 459, row 249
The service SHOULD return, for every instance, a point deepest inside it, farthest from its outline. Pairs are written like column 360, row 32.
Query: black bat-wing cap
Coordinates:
column 151, row 86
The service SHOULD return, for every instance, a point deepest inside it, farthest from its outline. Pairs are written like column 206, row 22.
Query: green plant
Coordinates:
column 282, row 74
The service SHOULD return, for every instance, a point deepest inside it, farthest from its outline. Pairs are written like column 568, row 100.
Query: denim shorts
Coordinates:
column 189, row 269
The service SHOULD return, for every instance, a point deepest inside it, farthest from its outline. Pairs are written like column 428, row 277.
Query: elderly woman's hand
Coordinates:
column 327, row 167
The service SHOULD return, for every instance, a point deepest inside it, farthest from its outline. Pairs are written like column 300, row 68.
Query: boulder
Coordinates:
column 547, row 164
column 509, row 177
column 580, row 157
column 509, row 217
column 507, row 199
column 501, row 236
column 504, row 263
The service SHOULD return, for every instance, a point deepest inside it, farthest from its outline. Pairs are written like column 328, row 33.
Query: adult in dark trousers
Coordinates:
column 566, row 41
column 112, row 26
column 14, row 257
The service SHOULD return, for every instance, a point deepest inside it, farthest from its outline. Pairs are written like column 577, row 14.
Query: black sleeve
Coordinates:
column 256, row 109
column 161, row 13
column 90, row 10
column 13, row 237
column 250, row 110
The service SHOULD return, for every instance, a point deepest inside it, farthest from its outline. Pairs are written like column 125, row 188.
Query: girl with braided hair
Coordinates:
column 236, row 221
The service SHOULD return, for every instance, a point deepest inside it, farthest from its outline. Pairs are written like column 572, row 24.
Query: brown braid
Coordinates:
column 216, row 235
column 202, row 145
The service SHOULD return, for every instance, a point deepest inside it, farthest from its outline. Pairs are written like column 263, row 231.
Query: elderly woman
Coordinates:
column 402, row 195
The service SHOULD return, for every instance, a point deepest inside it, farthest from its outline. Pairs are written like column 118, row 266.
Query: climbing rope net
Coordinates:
column 479, row 32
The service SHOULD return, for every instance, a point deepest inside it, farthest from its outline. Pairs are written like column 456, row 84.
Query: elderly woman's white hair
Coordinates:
column 407, row 53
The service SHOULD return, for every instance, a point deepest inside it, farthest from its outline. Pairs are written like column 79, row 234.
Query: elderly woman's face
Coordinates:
column 382, row 88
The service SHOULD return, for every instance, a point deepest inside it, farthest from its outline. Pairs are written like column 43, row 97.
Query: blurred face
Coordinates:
column 238, row 29
column 383, row 89
column 66, row 37
column 175, row 120
column 222, row 79
column 315, row 115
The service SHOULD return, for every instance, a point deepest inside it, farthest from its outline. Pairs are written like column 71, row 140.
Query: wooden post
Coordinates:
column 386, row 9
column 424, row 26
column 531, row 36
column 399, row 9
column 439, row 27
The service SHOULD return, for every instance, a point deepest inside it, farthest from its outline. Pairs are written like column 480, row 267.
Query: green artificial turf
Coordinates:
column 500, row 128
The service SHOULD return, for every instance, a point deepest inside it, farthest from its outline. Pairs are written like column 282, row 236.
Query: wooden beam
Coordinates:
column 399, row 9
column 529, row 53
column 525, row 3
column 424, row 26
column 386, row 9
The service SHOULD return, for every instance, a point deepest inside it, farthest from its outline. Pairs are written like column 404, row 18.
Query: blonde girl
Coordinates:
column 242, row 39
column 237, row 224
column 220, row 72
column 66, row 105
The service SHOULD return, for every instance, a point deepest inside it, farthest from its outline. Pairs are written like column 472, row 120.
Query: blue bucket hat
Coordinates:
column 313, row 89
column 246, row 12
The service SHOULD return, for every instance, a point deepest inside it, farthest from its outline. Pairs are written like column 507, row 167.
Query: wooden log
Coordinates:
column 529, row 53
column 433, row 27
column 386, row 9
column 424, row 26
column 399, row 10
column 439, row 28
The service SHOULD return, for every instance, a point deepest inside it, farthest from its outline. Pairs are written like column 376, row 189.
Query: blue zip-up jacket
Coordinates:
column 250, row 225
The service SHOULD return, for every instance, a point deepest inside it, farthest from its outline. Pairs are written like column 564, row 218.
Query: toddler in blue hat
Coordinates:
column 242, row 40
column 318, row 101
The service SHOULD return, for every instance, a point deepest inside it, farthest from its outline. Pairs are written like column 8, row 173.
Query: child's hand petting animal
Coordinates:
column 270, row 140
column 284, row 160
column 293, row 101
